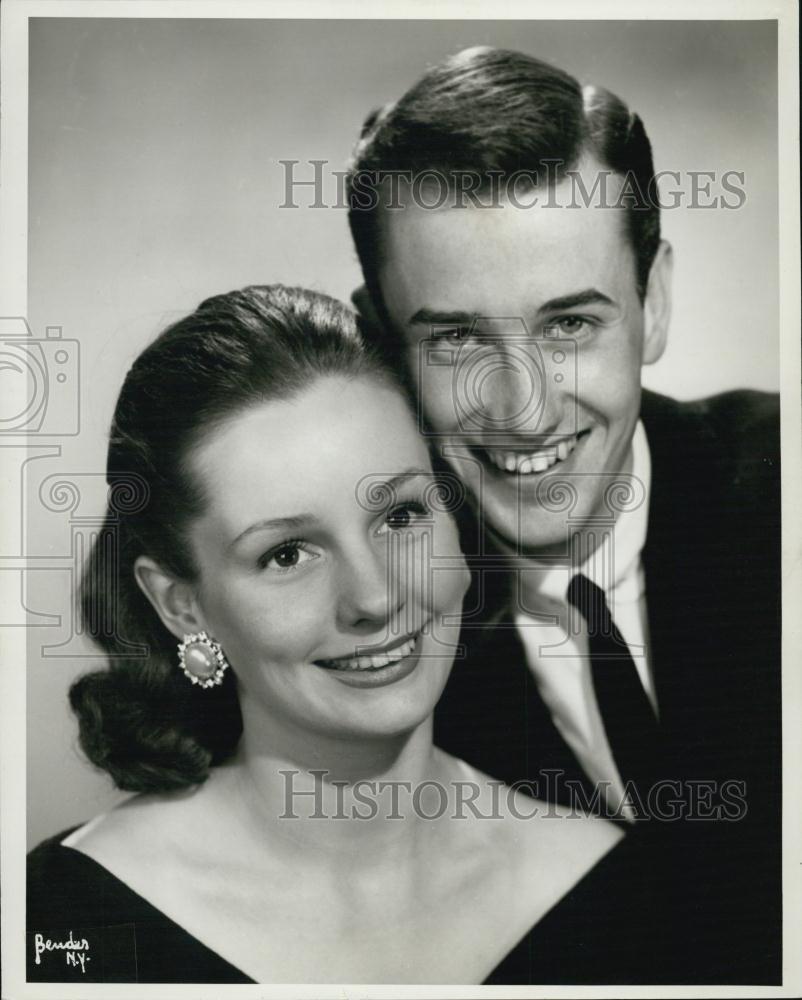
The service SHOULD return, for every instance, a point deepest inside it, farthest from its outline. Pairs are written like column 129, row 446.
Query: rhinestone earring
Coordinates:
column 202, row 660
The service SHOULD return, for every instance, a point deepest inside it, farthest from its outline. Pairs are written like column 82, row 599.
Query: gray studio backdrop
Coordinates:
column 155, row 181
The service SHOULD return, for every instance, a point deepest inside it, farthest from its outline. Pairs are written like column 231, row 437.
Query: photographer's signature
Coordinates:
column 75, row 951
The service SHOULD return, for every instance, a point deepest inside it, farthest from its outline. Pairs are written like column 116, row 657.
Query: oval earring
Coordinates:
column 202, row 660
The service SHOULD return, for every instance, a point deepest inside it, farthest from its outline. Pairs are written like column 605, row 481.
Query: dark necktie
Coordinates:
column 629, row 720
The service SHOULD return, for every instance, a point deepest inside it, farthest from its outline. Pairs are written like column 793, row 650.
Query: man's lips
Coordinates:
column 521, row 459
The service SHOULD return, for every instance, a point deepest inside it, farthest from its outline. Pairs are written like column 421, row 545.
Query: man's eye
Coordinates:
column 568, row 325
column 405, row 516
column 286, row 557
column 447, row 333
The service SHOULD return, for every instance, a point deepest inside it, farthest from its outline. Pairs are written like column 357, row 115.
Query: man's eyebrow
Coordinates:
column 434, row 317
column 574, row 300
column 275, row 524
column 587, row 297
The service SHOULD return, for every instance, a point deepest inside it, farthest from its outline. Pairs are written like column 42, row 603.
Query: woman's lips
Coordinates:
column 372, row 661
column 376, row 669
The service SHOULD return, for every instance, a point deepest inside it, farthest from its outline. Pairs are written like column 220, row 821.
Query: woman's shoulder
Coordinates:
column 85, row 924
column 49, row 849
column 527, row 860
column 135, row 832
column 546, row 848
column 605, row 928
column 70, row 885
column 55, row 873
column 547, row 829
column 66, row 886
column 76, row 912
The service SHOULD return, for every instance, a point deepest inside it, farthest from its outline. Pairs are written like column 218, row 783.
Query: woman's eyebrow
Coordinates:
column 394, row 482
column 298, row 521
column 275, row 524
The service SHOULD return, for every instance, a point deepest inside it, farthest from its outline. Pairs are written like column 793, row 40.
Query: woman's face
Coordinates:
column 327, row 575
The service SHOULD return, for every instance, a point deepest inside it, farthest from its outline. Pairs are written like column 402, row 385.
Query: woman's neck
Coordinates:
column 374, row 799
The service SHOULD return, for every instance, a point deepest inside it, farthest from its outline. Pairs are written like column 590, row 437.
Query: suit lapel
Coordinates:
column 684, row 586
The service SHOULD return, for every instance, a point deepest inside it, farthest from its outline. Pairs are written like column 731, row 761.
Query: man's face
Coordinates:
column 526, row 337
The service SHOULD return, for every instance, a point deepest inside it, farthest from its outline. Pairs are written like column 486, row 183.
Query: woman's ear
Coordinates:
column 173, row 599
column 657, row 305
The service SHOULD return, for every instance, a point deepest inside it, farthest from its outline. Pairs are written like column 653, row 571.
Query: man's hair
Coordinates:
column 496, row 113
column 140, row 720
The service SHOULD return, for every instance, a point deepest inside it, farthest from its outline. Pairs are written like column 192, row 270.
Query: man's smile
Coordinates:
column 518, row 461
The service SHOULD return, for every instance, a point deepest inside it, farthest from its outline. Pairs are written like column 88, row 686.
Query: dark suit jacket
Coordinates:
column 713, row 595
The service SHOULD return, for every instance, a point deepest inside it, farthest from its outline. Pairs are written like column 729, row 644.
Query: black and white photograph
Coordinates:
column 401, row 464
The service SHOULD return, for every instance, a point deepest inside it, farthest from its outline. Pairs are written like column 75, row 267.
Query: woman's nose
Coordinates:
column 370, row 592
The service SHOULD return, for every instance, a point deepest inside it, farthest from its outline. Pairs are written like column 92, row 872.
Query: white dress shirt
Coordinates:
column 559, row 660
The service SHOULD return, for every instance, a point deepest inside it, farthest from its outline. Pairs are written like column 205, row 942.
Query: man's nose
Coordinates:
column 370, row 595
column 510, row 389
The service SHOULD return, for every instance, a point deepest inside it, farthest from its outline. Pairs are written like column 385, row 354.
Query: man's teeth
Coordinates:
column 536, row 461
column 374, row 661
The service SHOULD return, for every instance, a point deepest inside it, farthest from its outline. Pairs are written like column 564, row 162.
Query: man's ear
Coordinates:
column 363, row 303
column 173, row 599
column 657, row 305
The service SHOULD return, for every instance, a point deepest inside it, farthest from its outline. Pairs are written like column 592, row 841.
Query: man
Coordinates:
column 508, row 227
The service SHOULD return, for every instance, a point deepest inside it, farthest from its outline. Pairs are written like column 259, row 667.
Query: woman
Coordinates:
column 294, row 575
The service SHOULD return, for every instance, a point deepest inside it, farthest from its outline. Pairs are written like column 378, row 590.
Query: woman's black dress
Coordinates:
column 621, row 923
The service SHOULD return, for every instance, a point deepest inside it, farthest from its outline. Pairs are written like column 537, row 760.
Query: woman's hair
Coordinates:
column 139, row 719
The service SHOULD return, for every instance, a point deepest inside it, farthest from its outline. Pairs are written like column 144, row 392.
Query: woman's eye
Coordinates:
column 285, row 557
column 405, row 516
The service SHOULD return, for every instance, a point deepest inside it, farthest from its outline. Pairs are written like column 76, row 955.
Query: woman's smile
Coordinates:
column 372, row 659
column 392, row 663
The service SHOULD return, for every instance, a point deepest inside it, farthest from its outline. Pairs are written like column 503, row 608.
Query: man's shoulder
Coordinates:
column 738, row 412
column 715, row 475
column 741, row 428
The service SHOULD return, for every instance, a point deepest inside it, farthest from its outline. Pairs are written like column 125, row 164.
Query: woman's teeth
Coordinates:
column 373, row 662
column 537, row 461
